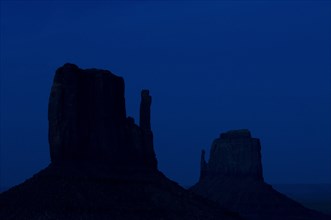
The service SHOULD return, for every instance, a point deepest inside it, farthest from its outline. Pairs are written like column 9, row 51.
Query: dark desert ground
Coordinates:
column 310, row 195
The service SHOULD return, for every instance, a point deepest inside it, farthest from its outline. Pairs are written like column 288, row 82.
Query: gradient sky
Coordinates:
column 210, row 67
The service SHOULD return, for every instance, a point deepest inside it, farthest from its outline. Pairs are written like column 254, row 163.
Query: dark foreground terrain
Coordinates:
column 80, row 192
column 313, row 196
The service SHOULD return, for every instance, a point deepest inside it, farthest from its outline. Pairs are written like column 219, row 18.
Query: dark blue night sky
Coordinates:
column 210, row 66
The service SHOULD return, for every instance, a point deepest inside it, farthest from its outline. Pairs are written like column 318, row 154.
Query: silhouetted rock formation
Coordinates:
column 87, row 121
column 233, row 177
column 234, row 153
column 103, row 165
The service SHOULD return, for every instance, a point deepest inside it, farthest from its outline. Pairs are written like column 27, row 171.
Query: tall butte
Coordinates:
column 235, row 154
column 103, row 165
column 88, row 123
column 233, row 177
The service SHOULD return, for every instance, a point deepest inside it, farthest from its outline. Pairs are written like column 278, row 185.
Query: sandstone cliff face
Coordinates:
column 234, row 153
column 87, row 120
column 233, row 177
